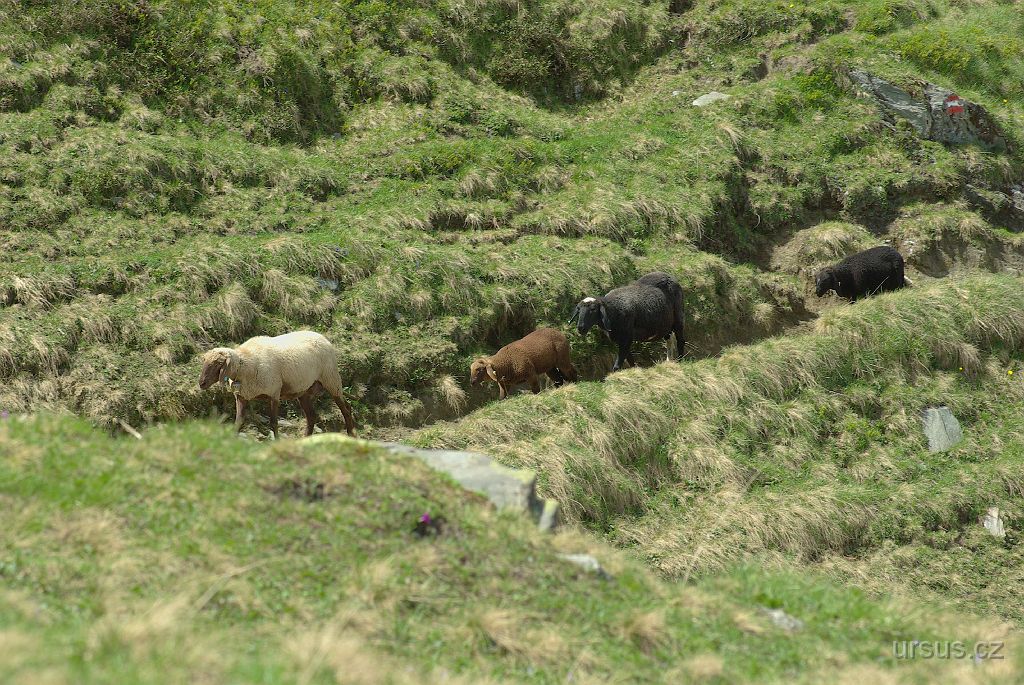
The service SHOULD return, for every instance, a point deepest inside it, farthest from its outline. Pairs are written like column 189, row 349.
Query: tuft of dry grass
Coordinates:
column 451, row 392
column 647, row 630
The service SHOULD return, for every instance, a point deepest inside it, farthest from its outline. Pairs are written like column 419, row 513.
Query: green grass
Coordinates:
column 424, row 182
column 414, row 154
column 807, row 448
column 193, row 554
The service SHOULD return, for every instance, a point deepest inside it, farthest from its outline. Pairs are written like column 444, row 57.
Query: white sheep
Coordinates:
column 295, row 365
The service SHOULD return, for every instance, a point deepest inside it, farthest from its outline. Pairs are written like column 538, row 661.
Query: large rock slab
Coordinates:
column 708, row 98
column 941, row 428
column 935, row 113
column 505, row 487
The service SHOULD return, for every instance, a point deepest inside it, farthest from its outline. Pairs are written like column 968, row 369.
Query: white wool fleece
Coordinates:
column 289, row 364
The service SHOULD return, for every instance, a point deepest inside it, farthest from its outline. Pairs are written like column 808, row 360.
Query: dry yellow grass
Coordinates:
column 646, row 630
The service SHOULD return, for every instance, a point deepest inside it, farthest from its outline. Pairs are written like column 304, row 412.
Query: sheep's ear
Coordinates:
column 605, row 318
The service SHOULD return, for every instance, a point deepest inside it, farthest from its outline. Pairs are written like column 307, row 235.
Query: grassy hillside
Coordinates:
column 426, row 180
column 192, row 556
column 808, row 448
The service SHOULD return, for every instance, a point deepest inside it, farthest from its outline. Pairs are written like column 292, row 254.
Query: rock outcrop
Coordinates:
column 935, row 113
column 505, row 487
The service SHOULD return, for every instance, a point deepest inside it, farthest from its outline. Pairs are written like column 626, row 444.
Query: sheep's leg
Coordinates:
column 346, row 411
column 275, row 406
column 306, row 402
column 623, row 354
column 240, row 405
column 502, row 392
column 568, row 372
column 535, row 383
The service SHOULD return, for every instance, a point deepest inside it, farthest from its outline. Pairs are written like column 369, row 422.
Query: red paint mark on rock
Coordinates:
column 954, row 105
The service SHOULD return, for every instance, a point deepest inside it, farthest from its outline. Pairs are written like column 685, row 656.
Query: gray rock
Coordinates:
column 936, row 113
column 328, row 283
column 713, row 96
column 941, row 428
column 994, row 523
column 587, row 563
column 1004, row 207
column 505, row 487
column 783, row 620
column 1017, row 197
column 549, row 516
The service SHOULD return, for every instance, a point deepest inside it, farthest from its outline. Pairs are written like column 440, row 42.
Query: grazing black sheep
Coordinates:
column 879, row 269
column 651, row 308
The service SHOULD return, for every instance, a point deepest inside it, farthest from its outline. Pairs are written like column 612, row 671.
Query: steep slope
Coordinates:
column 423, row 181
column 426, row 180
column 807, row 448
column 191, row 556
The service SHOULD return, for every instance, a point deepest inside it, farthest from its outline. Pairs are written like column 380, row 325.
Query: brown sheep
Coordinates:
column 543, row 351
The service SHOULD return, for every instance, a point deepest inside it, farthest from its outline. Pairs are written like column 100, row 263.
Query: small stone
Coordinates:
column 328, row 283
column 783, row 620
column 994, row 523
column 587, row 563
column 941, row 428
column 713, row 96
column 549, row 516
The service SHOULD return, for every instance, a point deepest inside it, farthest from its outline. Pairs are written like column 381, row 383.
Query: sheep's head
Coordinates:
column 825, row 281
column 480, row 370
column 591, row 311
column 217, row 364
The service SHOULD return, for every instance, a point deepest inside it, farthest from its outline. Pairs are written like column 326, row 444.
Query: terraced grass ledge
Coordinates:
column 601, row 446
column 803, row 446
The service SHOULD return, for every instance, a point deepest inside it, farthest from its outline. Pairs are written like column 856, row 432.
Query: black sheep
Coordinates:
column 879, row 269
column 651, row 308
